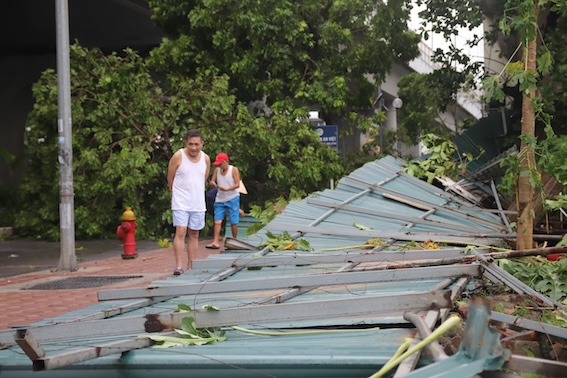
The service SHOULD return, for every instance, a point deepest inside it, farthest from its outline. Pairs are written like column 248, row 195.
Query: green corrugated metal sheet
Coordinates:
column 484, row 140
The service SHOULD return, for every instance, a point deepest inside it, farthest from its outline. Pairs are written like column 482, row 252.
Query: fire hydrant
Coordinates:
column 127, row 232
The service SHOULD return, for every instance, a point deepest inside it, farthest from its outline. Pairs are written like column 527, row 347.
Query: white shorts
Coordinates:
column 193, row 220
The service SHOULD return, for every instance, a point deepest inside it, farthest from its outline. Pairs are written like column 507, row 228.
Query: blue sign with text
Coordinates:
column 328, row 134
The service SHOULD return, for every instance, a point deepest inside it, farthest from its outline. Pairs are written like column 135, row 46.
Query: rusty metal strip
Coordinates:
column 29, row 344
column 547, row 368
column 89, row 353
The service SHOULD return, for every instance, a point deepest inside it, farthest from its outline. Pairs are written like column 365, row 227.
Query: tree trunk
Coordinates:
column 527, row 158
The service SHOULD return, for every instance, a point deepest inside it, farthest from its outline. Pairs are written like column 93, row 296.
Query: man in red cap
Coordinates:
column 226, row 178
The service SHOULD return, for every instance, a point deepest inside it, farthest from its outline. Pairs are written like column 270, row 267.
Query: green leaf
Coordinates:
column 171, row 341
column 493, row 89
column 183, row 307
column 210, row 308
column 361, row 226
column 563, row 241
column 545, row 62
column 188, row 325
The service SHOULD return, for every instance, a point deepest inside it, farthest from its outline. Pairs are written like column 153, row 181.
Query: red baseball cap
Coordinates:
column 221, row 156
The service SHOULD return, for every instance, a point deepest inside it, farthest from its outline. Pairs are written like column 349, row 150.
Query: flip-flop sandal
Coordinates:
column 178, row 272
column 212, row 246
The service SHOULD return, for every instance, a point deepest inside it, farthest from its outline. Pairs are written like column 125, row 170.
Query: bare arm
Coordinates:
column 213, row 182
column 174, row 163
column 235, row 177
column 208, row 162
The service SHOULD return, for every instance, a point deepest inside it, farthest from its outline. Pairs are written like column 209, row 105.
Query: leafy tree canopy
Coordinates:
column 509, row 20
column 244, row 72
column 425, row 97
column 126, row 126
column 313, row 53
column 528, row 33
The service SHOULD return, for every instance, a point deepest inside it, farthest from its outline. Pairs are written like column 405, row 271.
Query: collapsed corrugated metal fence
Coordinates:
column 391, row 254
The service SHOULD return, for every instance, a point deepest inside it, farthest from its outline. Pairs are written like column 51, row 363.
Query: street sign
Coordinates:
column 328, row 134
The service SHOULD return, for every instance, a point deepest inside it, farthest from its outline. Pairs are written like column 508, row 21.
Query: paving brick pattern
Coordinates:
column 20, row 307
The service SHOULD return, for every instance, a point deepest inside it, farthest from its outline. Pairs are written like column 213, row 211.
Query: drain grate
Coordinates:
column 82, row 282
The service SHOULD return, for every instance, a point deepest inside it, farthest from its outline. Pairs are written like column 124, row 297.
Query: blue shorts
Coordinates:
column 193, row 220
column 232, row 207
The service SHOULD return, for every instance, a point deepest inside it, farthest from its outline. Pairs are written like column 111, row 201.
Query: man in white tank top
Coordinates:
column 226, row 178
column 187, row 173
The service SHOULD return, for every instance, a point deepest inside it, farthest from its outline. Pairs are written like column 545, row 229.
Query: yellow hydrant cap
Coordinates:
column 128, row 215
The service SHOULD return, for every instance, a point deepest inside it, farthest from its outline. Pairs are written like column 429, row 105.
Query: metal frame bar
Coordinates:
column 409, row 236
column 499, row 205
column 499, row 275
column 296, row 282
column 480, row 349
column 404, row 198
column 456, row 187
column 7, row 338
column 437, row 191
column 308, row 258
column 381, row 214
column 29, row 344
column 532, row 325
column 424, row 329
column 232, row 270
column 251, row 314
column 88, row 353
column 548, row 368
column 515, row 284
column 243, row 315
column 431, row 318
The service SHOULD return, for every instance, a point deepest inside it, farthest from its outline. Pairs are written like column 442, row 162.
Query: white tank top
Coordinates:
column 226, row 181
column 188, row 192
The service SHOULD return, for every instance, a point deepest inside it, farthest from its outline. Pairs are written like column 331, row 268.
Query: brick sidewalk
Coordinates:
column 22, row 307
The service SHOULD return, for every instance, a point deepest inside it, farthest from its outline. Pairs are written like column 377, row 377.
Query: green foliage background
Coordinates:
column 422, row 106
column 314, row 52
column 126, row 126
column 245, row 73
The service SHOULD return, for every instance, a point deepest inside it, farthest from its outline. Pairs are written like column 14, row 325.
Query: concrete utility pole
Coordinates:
column 67, row 259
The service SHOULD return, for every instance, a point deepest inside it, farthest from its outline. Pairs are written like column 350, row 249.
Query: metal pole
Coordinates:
column 67, row 259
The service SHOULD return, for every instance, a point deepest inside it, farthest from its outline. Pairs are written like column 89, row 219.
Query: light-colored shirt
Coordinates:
column 188, row 191
column 226, row 181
